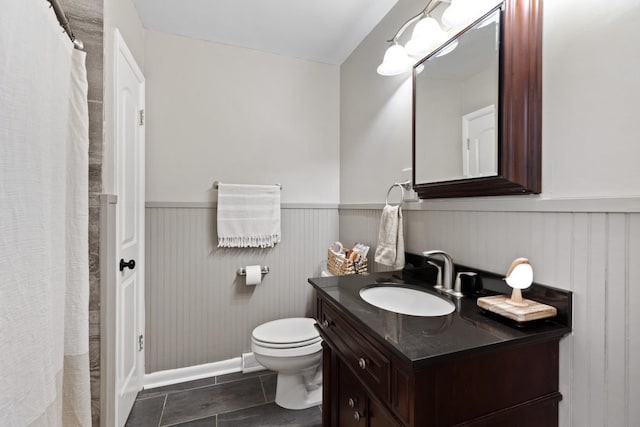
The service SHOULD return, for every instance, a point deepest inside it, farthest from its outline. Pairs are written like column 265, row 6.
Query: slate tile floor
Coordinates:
column 233, row 400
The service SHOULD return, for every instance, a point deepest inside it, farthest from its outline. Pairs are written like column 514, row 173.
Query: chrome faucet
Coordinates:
column 447, row 274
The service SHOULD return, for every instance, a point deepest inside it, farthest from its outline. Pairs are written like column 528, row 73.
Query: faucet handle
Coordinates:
column 439, row 275
column 460, row 277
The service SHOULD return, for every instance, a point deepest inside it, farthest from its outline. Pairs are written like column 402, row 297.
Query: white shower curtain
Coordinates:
column 44, row 274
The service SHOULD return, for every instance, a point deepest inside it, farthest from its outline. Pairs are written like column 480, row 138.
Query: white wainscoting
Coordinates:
column 595, row 255
column 197, row 310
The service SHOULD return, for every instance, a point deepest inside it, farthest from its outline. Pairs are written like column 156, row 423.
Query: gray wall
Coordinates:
column 197, row 310
column 593, row 254
column 207, row 123
column 86, row 22
column 259, row 118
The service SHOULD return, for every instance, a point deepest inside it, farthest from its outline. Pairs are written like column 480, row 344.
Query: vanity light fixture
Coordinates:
column 428, row 35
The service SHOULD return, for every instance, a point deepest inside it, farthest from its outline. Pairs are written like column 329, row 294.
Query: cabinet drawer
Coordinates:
column 372, row 366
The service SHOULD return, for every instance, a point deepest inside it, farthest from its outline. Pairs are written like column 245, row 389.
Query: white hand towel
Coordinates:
column 390, row 250
column 248, row 216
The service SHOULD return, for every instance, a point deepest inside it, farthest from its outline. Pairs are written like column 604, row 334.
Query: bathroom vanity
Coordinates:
column 466, row 368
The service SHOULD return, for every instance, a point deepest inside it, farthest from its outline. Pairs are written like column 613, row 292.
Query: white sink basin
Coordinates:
column 406, row 301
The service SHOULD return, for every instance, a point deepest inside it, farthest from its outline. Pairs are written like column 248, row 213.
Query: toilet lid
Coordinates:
column 287, row 331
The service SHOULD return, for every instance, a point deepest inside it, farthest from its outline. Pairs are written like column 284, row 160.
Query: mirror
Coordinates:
column 476, row 108
column 455, row 99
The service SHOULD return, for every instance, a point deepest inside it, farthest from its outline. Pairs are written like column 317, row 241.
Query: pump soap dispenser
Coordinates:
column 519, row 276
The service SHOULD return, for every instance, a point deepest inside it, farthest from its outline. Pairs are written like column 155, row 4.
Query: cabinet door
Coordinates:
column 354, row 405
column 352, row 400
column 379, row 417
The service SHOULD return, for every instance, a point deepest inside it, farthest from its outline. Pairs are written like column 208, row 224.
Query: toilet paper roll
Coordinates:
column 254, row 275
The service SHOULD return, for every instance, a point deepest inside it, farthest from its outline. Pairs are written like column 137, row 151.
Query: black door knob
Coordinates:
column 130, row 265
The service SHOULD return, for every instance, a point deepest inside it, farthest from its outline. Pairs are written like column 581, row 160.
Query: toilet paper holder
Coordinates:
column 243, row 272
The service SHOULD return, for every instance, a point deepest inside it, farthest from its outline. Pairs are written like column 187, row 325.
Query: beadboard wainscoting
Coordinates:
column 594, row 254
column 197, row 310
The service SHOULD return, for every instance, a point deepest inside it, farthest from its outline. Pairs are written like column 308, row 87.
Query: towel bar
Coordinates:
column 215, row 185
column 402, row 186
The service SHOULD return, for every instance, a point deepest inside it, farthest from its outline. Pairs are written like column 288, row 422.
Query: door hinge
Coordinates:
column 141, row 118
column 140, row 342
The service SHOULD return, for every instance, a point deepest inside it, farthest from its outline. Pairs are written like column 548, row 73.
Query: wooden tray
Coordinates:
column 533, row 311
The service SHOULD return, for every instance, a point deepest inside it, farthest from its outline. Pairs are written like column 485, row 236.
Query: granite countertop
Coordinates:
column 424, row 340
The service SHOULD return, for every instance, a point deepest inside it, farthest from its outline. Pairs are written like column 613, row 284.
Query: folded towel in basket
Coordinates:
column 248, row 216
column 390, row 250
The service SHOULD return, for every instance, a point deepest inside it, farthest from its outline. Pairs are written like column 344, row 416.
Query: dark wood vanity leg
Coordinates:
column 328, row 374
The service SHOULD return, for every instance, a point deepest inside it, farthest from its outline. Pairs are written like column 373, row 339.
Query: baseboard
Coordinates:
column 190, row 373
column 250, row 364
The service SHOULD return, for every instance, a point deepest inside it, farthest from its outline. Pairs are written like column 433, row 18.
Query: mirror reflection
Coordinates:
column 456, row 108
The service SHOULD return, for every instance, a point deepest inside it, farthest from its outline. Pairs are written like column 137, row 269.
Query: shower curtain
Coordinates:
column 44, row 273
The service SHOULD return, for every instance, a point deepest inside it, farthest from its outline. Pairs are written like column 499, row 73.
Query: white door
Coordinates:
column 479, row 143
column 129, row 171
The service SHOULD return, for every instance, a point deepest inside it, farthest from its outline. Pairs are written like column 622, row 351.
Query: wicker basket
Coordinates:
column 340, row 266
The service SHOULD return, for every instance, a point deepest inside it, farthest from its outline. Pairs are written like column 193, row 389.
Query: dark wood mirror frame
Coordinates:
column 520, row 112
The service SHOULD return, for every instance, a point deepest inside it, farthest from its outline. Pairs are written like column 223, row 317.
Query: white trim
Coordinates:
column 190, row 373
column 213, row 205
column 108, row 204
column 110, row 199
column 480, row 204
column 250, row 364
column 515, row 204
column 365, row 206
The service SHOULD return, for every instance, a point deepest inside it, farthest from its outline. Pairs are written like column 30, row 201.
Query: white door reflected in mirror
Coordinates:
column 479, row 143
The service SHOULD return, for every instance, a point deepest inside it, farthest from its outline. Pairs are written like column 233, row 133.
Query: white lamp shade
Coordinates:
column 396, row 61
column 427, row 36
column 521, row 276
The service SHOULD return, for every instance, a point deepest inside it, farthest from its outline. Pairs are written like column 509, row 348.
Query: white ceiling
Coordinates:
column 324, row 31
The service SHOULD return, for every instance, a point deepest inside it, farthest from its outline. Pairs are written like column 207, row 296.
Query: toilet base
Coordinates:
column 299, row 391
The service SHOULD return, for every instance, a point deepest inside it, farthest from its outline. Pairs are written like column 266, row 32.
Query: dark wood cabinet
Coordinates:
column 366, row 384
column 352, row 404
column 355, row 406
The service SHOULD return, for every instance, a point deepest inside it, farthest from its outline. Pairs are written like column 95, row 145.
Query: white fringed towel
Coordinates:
column 390, row 249
column 248, row 216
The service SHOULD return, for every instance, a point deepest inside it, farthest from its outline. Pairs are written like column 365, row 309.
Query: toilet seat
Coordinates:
column 282, row 352
column 296, row 336
column 294, row 330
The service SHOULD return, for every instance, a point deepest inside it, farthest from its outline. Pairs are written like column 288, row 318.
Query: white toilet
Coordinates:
column 293, row 348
